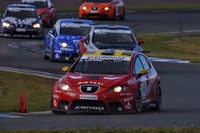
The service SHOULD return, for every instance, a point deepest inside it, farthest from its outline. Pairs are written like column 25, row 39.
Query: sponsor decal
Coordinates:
column 57, row 91
column 132, row 81
column 91, row 82
column 17, row 9
column 88, row 97
column 128, row 99
column 32, row 1
column 101, row 31
column 89, row 108
column 71, row 94
column 73, row 25
column 26, row 21
column 55, row 103
column 100, row 58
column 66, row 49
column 125, row 94
column 128, row 106
column 55, row 96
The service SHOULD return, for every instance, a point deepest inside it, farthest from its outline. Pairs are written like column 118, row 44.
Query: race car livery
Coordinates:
column 62, row 39
column 104, row 9
column 45, row 9
column 110, row 36
column 108, row 81
column 21, row 19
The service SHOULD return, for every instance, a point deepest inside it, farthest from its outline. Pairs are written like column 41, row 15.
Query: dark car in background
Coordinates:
column 45, row 9
column 21, row 19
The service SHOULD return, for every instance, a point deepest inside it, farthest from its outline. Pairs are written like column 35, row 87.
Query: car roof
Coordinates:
column 76, row 21
column 21, row 6
column 121, row 27
column 111, row 52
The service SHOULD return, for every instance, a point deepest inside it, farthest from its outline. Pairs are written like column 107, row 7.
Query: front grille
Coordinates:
column 21, row 25
column 88, row 105
column 94, row 8
column 88, row 88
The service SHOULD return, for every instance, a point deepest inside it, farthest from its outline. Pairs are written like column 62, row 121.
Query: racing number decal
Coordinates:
column 146, row 86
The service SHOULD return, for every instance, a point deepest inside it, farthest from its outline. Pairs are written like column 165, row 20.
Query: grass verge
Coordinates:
column 99, row 130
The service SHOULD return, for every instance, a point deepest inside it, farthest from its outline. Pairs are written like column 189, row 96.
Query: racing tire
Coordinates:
column 114, row 15
column 138, row 101
column 122, row 17
column 158, row 103
column 51, row 54
column 45, row 55
column 53, row 20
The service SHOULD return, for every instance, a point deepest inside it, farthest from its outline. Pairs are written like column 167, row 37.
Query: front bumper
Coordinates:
column 21, row 31
column 72, row 102
column 99, row 14
column 65, row 55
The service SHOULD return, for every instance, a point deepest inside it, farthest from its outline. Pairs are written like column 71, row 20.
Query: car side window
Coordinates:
column 138, row 65
column 145, row 63
column 88, row 37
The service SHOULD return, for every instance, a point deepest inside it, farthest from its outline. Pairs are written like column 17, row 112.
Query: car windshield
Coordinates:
column 99, row 1
column 74, row 29
column 112, row 65
column 21, row 13
column 106, row 36
column 37, row 4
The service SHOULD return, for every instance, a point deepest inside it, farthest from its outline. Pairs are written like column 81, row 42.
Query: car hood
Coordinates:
column 92, row 4
column 14, row 20
column 116, row 46
column 75, row 80
column 69, row 38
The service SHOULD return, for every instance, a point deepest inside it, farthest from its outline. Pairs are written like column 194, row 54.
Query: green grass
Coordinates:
column 174, row 46
column 100, row 130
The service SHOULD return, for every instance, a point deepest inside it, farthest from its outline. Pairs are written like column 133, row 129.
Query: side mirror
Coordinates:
column 83, row 39
column 65, row 68
column 143, row 71
column 141, row 42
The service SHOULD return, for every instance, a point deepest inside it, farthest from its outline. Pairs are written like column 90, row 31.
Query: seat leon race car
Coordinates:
column 21, row 19
column 62, row 39
column 45, row 9
column 105, row 9
column 108, row 81
column 110, row 36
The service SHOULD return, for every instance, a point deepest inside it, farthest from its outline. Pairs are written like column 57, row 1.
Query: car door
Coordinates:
column 145, row 80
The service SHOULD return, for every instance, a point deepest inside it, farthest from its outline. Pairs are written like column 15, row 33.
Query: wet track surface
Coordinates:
column 180, row 108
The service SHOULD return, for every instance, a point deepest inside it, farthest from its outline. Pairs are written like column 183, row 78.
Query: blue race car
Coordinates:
column 61, row 42
column 21, row 19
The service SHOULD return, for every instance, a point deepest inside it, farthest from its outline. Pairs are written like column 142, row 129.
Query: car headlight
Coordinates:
column 6, row 24
column 84, row 8
column 63, row 44
column 64, row 87
column 37, row 25
column 106, row 8
column 118, row 88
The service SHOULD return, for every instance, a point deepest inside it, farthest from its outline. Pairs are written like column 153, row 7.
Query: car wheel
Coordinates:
column 158, row 102
column 138, row 100
column 122, row 17
column 53, row 19
column 114, row 14
column 51, row 54
column 45, row 55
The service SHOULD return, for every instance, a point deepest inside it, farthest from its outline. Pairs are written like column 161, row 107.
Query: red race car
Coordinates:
column 108, row 81
column 45, row 9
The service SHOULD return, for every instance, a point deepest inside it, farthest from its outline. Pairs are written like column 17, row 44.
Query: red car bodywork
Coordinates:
column 110, row 9
column 47, row 13
column 94, row 92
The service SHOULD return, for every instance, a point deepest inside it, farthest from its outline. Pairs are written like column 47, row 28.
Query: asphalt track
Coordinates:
column 180, row 85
